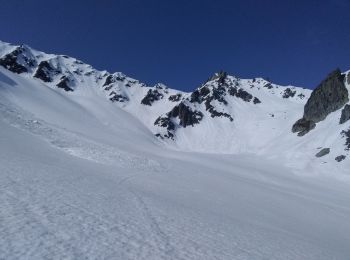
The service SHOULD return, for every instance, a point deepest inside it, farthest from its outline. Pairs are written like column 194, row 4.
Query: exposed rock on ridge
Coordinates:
column 17, row 61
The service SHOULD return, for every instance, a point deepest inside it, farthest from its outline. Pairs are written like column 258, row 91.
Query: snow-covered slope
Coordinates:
column 89, row 168
column 82, row 178
column 225, row 114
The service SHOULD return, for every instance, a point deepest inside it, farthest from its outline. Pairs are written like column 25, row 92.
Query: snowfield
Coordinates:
column 82, row 178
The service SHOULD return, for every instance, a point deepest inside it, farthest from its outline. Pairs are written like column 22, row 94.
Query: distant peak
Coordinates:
column 220, row 76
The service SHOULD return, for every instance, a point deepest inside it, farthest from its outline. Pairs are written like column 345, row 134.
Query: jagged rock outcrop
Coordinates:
column 328, row 97
column 44, row 71
column 187, row 116
column 288, row 92
column 241, row 93
column 214, row 113
column 112, row 78
column 175, row 97
column 268, row 86
column 348, row 78
column 199, row 94
column 109, row 80
column 151, row 96
column 256, row 100
column 16, row 61
column 114, row 97
column 345, row 114
column 64, row 84
column 166, row 123
column 183, row 113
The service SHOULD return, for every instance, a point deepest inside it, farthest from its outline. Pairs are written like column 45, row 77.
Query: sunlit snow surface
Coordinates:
column 81, row 178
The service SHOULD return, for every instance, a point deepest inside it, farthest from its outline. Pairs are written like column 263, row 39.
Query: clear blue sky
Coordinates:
column 182, row 42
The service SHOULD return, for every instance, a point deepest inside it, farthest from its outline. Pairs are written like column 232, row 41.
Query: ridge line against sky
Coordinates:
column 181, row 43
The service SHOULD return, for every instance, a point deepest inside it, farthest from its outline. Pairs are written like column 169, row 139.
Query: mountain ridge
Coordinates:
column 225, row 114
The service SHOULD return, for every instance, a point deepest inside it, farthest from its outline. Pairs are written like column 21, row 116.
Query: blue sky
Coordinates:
column 181, row 43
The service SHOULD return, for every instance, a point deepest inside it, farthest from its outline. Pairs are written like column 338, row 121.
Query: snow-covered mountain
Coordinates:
column 95, row 165
column 225, row 114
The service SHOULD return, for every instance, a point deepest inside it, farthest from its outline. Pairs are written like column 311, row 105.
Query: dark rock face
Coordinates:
column 218, row 94
column 112, row 79
column 114, row 97
column 186, row 115
column 346, row 135
column 328, row 97
column 64, row 84
column 214, row 113
column 9, row 61
column 109, row 80
column 348, row 78
column 175, row 98
column 288, row 93
column 268, row 86
column 340, row 158
column 196, row 97
column 242, row 94
column 303, row 126
column 301, row 96
column 323, row 152
column 256, row 100
column 166, row 123
column 151, row 96
column 345, row 114
column 199, row 94
column 44, row 70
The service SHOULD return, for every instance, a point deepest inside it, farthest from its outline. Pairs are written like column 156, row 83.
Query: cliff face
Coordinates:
column 329, row 96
